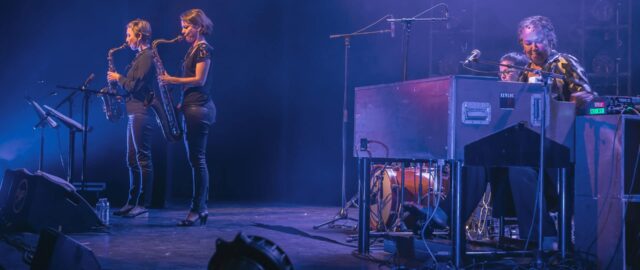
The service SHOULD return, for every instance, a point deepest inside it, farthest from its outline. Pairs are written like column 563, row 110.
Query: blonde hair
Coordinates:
column 197, row 17
column 141, row 27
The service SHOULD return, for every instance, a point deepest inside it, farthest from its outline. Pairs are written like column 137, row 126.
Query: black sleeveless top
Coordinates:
column 196, row 95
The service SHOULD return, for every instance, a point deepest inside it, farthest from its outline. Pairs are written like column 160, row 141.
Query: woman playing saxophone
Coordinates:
column 112, row 105
column 141, row 105
column 198, row 109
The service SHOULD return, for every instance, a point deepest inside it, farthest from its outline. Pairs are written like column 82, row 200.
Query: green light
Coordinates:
column 596, row 111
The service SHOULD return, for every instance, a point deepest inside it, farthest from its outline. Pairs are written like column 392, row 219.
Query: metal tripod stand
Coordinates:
column 343, row 213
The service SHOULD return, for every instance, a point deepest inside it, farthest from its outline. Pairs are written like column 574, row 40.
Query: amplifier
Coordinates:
column 611, row 105
column 607, row 191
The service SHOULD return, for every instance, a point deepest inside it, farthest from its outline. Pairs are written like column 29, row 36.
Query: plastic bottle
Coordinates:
column 102, row 209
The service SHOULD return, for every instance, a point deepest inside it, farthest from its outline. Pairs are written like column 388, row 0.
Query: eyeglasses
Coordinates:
column 507, row 72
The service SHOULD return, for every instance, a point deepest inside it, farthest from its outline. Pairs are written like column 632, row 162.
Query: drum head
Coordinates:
column 430, row 187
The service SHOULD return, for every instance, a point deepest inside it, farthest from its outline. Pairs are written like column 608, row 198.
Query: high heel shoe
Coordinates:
column 202, row 217
column 136, row 211
column 123, row 211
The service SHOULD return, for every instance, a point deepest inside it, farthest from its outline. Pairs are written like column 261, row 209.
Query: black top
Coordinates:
column 196, row 95
column 140, row 81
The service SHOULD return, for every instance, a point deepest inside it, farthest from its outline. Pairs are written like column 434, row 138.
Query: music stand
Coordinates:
column 68, row 122
column 74, row 126
column 85, row 123
column 45, row 120
column 72, row 134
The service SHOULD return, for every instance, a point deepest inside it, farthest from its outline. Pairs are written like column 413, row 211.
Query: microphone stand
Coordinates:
column 85, row 122
column 407, row 32
column 540, row 196
column 407, row 22
column 343, row 213
column 544, row 74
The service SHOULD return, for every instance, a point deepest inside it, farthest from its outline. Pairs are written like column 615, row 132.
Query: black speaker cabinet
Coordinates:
column 57, row 251
column 33, row 201
column 607, row 190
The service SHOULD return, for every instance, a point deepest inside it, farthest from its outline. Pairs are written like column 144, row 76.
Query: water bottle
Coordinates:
column 102, row 208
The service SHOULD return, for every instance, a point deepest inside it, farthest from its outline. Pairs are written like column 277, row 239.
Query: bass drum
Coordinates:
column 385, row 191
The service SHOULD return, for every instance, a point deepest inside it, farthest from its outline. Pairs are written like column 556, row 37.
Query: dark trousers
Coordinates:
column 197, row 121
column 524, row 184
column 139, row 131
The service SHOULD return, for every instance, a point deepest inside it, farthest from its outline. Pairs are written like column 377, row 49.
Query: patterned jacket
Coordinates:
column 575, row 78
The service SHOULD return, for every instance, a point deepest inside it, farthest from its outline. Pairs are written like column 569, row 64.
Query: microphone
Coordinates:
column 392, row 27
column 88, row 81
column 475, row 54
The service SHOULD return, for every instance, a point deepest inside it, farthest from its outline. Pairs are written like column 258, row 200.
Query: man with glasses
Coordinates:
column 514, row 59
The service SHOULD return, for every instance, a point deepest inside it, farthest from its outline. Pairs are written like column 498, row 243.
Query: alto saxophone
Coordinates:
column 112, row 105
column 168, row 122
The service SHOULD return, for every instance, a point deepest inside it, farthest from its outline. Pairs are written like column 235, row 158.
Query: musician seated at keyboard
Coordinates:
column 537, row 37
column 508, row 74
column 502, row 200
column 501, row 190
column 538, row 40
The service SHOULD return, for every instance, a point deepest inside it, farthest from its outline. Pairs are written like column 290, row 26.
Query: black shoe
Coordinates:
column 123, row 211
column 202, row 217
column 136, row 211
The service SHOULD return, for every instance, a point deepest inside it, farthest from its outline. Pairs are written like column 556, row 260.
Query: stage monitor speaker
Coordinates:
column 34, row 201
column 57, row 251
column 607, row 191
column 249, row 252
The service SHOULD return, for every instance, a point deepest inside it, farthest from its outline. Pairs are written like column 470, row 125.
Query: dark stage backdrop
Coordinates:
column 278, row 80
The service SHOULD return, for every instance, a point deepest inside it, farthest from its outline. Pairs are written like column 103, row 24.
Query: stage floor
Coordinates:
column 152, row 241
